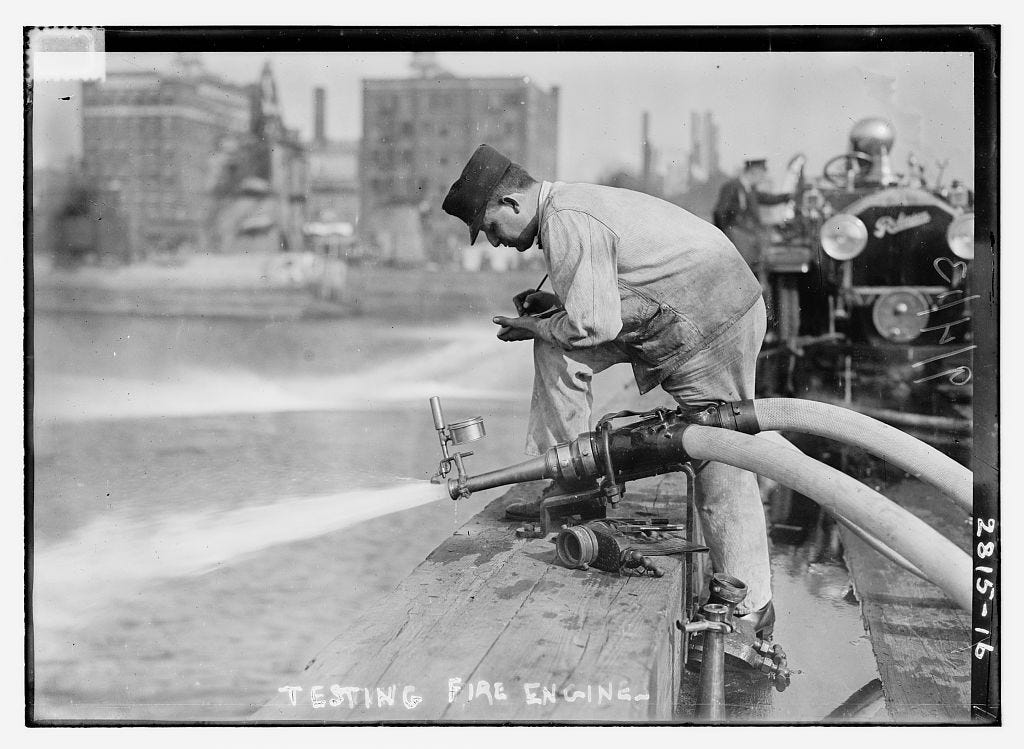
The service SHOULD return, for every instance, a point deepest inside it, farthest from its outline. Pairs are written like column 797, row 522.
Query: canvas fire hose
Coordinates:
column 662, row 441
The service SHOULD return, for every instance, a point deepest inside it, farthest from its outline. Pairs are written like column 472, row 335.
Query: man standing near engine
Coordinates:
column 738, row 214
column 637, row 280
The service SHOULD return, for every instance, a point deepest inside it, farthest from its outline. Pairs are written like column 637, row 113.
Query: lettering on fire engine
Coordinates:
column 889, row 225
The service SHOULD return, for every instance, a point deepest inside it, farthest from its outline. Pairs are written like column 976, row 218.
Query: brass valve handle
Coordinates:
column 611, row 489
column 705, row 625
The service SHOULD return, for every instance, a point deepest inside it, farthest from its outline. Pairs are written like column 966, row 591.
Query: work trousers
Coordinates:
column 730, row 510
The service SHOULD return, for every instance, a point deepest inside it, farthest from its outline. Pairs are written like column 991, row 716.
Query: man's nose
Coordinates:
column 493, row 240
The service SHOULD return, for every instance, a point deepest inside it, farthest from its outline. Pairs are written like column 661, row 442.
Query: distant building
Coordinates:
column 650, row 178
column 418, row 134
column 148, row 141
column 705, row 176
column 174, row 150
column 51, row 192
column 333, row 171
column 704, row 159
column 73, row 223
column 676, row 175
column 276, row 154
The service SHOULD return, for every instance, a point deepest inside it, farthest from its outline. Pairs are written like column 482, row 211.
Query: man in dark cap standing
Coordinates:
column 737, row 213
column 637, row 280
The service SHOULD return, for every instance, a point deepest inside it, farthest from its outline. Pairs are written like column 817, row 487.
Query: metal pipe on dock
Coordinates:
column 711, row 694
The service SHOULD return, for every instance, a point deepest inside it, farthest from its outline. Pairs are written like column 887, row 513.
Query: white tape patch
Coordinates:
column 67, row 54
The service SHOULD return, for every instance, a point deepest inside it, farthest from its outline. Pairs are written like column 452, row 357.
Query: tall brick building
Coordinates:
column 418, row 133
column 176, row 151
column 148, row 141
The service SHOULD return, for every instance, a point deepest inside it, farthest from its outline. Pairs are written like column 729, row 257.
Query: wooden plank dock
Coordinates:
column 921, row 640
column 490, row 629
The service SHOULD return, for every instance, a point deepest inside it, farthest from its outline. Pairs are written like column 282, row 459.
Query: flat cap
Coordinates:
column 467, row 198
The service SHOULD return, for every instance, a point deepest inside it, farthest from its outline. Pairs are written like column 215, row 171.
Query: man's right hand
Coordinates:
column 532, row 302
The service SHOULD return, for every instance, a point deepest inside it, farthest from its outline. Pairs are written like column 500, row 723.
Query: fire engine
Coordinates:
column 871, row 289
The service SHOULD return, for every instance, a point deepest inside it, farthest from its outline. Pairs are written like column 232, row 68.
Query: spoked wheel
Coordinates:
column 838, row 169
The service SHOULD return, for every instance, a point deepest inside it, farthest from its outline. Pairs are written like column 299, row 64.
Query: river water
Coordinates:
column 215, row 500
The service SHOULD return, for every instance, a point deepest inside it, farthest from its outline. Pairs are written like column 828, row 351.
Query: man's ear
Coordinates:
column 510, row 202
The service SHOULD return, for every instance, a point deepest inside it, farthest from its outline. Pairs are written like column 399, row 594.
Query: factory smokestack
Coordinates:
column 319, row 114
column 645, row 163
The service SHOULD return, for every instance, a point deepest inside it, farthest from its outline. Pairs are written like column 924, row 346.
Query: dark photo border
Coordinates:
column 982, row 41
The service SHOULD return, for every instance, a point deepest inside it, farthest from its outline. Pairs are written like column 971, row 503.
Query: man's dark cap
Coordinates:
column 755, row 164
column 468, row 196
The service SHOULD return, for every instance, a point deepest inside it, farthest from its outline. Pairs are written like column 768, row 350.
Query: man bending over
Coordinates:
column 639, row 280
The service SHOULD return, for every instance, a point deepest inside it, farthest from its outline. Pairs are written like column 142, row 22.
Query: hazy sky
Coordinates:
column 767, row 104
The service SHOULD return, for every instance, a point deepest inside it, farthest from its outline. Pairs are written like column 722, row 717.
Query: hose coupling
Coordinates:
column 738, row 416
column 727, row 590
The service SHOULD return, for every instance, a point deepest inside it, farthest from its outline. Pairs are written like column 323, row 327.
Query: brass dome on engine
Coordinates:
column 872, row 135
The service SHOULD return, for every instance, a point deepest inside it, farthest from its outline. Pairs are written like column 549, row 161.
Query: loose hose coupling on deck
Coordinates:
column 662, row 441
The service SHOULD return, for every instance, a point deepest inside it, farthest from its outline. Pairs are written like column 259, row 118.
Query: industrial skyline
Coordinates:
column 769, row 105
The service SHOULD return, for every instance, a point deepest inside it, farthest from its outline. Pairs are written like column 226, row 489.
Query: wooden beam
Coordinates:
column 488, row 608
column 921, row 641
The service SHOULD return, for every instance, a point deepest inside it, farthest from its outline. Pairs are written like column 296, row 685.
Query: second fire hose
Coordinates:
column 941, row 562
column 850, row 427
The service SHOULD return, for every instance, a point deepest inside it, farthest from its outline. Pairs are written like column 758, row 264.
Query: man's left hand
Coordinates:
column 516, row 328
